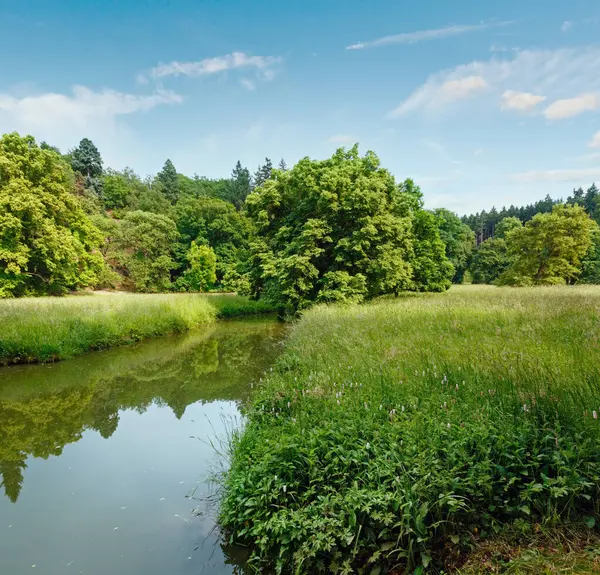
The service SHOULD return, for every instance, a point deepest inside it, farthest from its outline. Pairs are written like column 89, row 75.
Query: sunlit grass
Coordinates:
column 391, row 432
column 50, row 329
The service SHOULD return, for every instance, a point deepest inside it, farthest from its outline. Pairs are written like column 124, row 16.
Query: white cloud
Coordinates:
column 595, row 141
column 343, row 139
column 573, row 175
column 264, row 65
column 463, row 88
column 521, row 101
column 64, row 119
column 569, row 107
column 425, row 35
column 566, row 26
column 80, row 107
column 554, row 73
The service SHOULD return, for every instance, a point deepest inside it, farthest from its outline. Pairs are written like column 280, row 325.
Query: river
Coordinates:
column 105, row 459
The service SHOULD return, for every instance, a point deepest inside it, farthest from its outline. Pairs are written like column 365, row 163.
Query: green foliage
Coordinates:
column 341, row 222
column 216, row 223
column 432, row 270
column 47, row 243
column 389, row 434
column 549, row 248
column 144, row 249
column 168, row 182
column 201, row 273
column 122, row 189
column 490, row 260
column 459, row 240
column 590, row 264
column 238, row 187
column 87, row 161
column 506, row 225
column 263, row 173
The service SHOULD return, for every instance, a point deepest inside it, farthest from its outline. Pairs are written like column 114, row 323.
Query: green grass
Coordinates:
column 390, row 434
column 50, row 329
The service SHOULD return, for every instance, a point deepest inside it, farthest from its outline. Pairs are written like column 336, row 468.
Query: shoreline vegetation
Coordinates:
column 399, row 435
column 40, row 330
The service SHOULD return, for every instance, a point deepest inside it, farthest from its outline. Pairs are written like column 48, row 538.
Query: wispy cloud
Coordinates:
column 82, row 105
column 595, row 141
column 572, row 175
column 265, row 66
column 569, row 107
column 426, row 35
column 566, row 26
column 554, row 73
column 520, row 101
column 248, row 84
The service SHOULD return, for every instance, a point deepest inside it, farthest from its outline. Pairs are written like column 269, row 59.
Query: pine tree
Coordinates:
column 263, row 173
column 239, row 186
column 87, row 162
column 169, row 182
column 282, row 165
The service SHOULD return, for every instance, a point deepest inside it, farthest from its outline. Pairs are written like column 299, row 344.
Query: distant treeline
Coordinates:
column 484, row 223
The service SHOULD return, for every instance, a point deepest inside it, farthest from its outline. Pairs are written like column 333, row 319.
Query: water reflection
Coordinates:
column 148, row 399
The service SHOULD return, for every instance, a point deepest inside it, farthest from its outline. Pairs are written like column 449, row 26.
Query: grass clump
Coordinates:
column 389, row 435
column 51, row 329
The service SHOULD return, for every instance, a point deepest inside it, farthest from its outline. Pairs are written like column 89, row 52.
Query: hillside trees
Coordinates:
column 87, row 162
column 47, row 243
column 338, row 230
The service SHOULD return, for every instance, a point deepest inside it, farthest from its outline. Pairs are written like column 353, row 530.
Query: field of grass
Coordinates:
column 393, row 435
column 51, row 329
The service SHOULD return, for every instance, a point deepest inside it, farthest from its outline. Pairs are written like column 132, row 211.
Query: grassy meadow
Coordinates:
column 50, row 329
column 397, row 436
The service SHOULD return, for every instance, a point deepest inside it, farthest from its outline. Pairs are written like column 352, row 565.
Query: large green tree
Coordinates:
column 47, row 243
column 549, row 248
column 263, row 173
column 338, row 229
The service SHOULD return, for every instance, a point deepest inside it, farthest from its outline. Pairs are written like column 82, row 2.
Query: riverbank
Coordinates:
column 48, row 329
column 400, row 434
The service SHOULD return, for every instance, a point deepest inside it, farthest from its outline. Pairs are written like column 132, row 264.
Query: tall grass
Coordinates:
column 50, row 329
column 392, row 434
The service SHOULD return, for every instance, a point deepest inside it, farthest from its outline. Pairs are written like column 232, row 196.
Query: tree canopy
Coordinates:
column 47, row 243
column 340, row 230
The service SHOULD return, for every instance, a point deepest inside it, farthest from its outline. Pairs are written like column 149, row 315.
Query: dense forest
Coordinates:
column 340, row 229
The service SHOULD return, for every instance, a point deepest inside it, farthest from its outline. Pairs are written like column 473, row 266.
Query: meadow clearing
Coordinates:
column 398, row 435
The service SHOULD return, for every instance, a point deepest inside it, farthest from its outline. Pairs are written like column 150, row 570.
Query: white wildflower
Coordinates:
column 595, row 414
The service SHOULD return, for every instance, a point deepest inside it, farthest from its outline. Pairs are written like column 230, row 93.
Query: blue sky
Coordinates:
column 483, row 103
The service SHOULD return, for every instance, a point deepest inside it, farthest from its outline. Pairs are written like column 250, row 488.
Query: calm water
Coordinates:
column 99, row 454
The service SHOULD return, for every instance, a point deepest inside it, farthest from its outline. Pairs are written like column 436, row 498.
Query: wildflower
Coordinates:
column 402, row 409
column 449, row 425
column 393, row 412
column 368, row 445
column 338, row 402
column 285, row 488
column 595, row 414
column 380, row 407
column 289, row 405
column 445, row 405
column 525, row 408
column 457, row 387
column 366, row 406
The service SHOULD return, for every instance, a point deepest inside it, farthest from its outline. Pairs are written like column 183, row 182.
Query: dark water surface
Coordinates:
column 98, row 454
